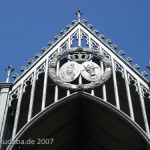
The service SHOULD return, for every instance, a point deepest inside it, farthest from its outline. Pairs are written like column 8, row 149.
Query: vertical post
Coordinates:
column 32, row 97
column 104, row 86
column 17, row 112
column 3, row 104
column 115, row 84
column 56, row 87
column 143, row 109
column 129, row 95
column 69, row 46
column 79, row 38
column 45, row 85
column 92, row 91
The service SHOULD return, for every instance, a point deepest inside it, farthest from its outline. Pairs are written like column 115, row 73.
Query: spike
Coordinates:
column 114, row 46
column 108, row 41
column 121, row 53
column 101, row 36
column 144, row 73
column 95, row 31
column 30, row 61
column 136, row 66
column 37, row 55
column 90, row 26
column 50, row 43
column 44, row 49
column 9, row 70
column 23, row 68
column 128, row 59
column 16, row 76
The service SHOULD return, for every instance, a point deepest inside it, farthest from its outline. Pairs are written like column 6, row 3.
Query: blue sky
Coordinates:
column 27, row 26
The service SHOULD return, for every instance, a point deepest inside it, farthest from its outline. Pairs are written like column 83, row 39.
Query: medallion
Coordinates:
column 91, row 71
column 69, row 71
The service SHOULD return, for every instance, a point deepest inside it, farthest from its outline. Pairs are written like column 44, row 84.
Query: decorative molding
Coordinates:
column 119, row 68
column 132, row 81
column 83, row 34
column 145, row 92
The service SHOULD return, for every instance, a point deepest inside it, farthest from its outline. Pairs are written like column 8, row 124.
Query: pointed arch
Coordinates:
column 82, row 121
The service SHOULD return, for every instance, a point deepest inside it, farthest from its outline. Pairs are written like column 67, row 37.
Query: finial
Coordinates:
column 128, row 59
column 50, row 43
column 121, row 53
column 136, row 67
column 90, row 26
column 79, row 13
column 23, row 68
column 84, row 21
column 38, row 55
column 101, row 36
column 57, row 37
column 63, row 31
column 30, row 61
column 16, row 76
column 9, row 70
column 144, row 73
column 68, row 26
column 95, row 31
column 74, row 22
column 148, row 66
column 114, row 47
column 44, row 49
column 108, row 41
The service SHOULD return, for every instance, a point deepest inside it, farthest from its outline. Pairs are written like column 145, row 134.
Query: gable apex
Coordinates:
column 79, row 33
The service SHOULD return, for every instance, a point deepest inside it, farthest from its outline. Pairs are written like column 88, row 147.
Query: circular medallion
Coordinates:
column 91, row 71
column 69, row 71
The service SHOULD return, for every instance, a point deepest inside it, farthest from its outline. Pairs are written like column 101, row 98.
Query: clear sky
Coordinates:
column 28, row 25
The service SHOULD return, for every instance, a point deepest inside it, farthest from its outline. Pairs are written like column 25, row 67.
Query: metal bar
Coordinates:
column 115, row 84
column 17, row 112
column 129, row 95
column 104, row 86
column 143, row 110
column 80, row 79
column 68, row 92
column 56, row 87
column 79, row 38
column 69, row 46
column 32, row 97
column 45, row 86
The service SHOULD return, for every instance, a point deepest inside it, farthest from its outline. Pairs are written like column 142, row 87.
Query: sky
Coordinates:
column 28, row 25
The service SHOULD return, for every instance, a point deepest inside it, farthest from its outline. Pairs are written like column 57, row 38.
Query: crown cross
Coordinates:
column 79, row 13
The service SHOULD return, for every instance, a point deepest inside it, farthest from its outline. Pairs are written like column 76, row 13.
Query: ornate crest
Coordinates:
column 79, row 65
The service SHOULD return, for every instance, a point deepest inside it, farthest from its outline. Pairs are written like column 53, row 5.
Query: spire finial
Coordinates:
column 79, row 13
column 9, row 70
